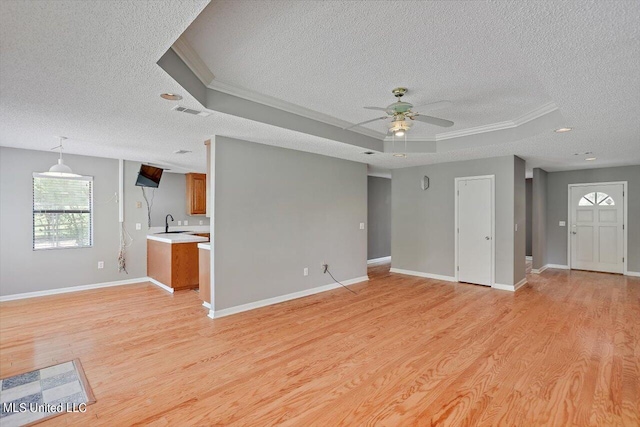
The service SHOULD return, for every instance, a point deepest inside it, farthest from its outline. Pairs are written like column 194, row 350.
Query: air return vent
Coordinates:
column 190, row 111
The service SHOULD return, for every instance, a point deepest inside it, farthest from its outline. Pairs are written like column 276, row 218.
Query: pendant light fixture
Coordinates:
column 60, row 169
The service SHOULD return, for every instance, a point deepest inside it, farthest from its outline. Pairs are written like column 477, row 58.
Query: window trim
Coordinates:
column 34, row 211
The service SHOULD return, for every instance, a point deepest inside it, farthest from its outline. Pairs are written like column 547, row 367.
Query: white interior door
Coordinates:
column 475, row 230
column 596, row 229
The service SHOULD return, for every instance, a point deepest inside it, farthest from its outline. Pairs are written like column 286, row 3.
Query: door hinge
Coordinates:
column 622, row 259
column 458, row 268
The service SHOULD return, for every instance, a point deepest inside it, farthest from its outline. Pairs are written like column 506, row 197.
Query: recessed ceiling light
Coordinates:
column 399, row 155
column 369, row 153
column 561, row 130
column 171, row 96
column 590, row 159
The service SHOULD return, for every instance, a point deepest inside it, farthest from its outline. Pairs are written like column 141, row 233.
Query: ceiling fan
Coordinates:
column 400, row 111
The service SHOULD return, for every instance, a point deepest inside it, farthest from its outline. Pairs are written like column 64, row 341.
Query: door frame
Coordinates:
column 625, row 212
column 493, row 223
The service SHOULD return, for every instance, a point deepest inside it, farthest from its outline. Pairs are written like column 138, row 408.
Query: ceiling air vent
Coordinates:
column 190, row 111
column 182, row 151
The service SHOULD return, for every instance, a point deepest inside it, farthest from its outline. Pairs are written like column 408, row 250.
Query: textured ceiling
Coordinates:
column 87, row 70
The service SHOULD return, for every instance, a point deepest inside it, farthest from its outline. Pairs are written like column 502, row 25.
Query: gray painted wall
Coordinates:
column 170, row 198
column 24, row 270
column 378, row 217
column 520, row 221
column 422, row 230
column 529, row 215
column 539, row 218
column 557, row 209
column 278, row 211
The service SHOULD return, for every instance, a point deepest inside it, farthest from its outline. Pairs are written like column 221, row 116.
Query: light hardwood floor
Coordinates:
column 563, row 350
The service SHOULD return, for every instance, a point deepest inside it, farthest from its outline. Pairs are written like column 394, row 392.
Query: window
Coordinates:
column 62, row 212
column 596, row 199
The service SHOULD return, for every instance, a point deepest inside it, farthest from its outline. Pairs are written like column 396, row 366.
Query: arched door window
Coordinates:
column 596, row 199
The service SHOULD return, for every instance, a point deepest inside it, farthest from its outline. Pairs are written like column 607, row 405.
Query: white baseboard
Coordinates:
column 377, row 260
column 544, row 267
column 421, row 274
column 275, row 300
column 632, row 273
column 539, row 270
column 72, row 289
column 511, row 288
column 206, row 305
column 160, row 284
column 558, row 266
column 528, row 258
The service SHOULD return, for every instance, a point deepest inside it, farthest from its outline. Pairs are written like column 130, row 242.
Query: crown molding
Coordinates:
column 289, row 107
column 192, row 60
column 492, row 127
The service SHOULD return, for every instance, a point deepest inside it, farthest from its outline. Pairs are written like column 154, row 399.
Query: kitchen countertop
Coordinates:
column 177, row 238
column 206, row 246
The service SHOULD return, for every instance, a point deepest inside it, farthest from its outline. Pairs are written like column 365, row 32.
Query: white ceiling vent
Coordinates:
column 190, row 111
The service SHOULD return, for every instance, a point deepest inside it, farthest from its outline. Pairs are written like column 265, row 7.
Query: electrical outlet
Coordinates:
column 201, row 222
column 186, row 222
column 138, row 226
column 138, row 205
column 179, row 222
column 100, row 264
column 305, row 272
column 362, row 226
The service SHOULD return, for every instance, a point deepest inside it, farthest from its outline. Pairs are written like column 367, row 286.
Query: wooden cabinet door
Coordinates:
column 197, row 193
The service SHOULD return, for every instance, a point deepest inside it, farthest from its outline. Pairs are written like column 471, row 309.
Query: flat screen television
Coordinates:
column 149, row 176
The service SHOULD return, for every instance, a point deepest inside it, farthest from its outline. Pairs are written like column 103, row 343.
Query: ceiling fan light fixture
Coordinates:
column 399, row 127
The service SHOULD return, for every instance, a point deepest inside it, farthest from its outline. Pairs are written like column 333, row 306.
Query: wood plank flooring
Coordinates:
column 563, row 350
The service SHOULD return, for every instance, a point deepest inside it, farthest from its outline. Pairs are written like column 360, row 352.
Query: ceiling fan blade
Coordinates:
column 433, row 121
column 434, row 106
column 365, row 122
column 375, row 108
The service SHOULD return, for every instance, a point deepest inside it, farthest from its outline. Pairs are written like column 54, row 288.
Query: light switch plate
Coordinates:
column 138, row 204
column 100, row 264
column 179, row 222
column 362, row 226
column 562, row 224
column 138, row 226
column 305, row 271
column 186, row 222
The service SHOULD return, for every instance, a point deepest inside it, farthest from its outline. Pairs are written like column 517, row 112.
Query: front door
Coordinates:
column 596, row 228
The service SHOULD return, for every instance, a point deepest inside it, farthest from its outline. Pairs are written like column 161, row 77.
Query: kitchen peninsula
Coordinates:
column 172, row 259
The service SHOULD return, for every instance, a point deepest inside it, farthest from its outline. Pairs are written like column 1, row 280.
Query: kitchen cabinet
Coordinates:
column 196, row 193
column 172, row 260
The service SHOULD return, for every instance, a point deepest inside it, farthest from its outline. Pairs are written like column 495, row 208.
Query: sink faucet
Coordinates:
column 166, row 222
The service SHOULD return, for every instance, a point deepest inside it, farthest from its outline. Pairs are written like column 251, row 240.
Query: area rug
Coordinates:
column 44, row 393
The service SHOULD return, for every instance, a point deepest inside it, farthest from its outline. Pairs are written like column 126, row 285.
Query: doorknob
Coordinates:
column 487, row 238
column 574, row 232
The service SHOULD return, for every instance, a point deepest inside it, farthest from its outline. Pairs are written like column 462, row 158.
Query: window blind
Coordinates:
column 62, row 212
